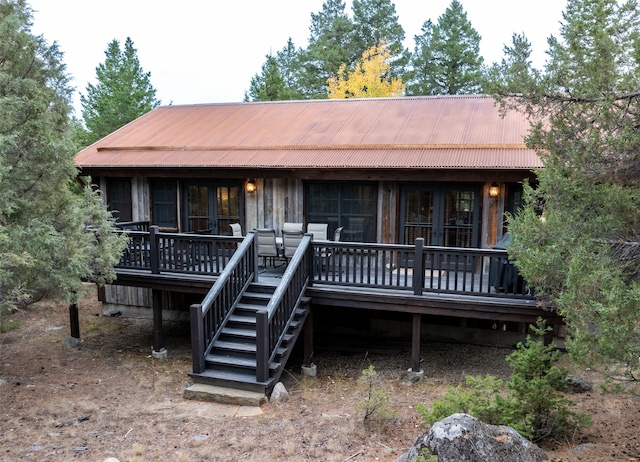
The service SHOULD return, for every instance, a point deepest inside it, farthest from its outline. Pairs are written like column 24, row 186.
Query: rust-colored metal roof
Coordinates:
column 454, row 132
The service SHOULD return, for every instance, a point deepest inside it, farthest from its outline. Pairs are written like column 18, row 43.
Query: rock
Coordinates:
column 71, row 343
column 463, row 438
column 279, row 393
column 576, row 384
column 111, row 459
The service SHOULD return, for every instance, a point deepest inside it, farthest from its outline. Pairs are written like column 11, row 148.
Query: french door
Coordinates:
column 442, row 215
column 210, row 207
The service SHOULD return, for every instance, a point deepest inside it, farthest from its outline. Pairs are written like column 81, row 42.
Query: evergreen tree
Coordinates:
column 515, row 73
column 582, row 252
column 45, row 245
column 446, row 60
column 375, row 22
column 123, row 92
column 330, row 45
column 270, row 85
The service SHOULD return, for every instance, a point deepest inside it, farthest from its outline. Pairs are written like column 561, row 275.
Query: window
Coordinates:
column 351, row 206
column 164, row 197
column 119, row 198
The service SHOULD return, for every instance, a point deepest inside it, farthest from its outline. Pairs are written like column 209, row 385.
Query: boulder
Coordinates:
column 576, row 384
column 279, row 393
column 463, row 438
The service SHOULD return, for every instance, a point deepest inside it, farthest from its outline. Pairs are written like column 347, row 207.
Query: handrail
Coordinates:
column 418, row 268
column 161, row 252
column 208, row 317
column 273, row 322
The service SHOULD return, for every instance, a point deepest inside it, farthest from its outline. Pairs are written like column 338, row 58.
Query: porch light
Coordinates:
column 494, row 190
column 251, row 186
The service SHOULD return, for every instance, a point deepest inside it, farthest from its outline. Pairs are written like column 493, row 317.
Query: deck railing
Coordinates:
column 207, row 318
column 418, row 268
column 178, row 252
column 273, row 322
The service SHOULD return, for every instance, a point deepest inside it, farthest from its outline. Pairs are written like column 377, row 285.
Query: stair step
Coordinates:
column 234, row 346
column 227, row 360
column 240, row 380
column 242, row 319
column 240, row 333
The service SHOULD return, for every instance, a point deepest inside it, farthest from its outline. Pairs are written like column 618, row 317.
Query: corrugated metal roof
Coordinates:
column 454, row 132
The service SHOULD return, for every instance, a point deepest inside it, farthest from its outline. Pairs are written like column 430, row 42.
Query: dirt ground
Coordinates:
column 110, row 398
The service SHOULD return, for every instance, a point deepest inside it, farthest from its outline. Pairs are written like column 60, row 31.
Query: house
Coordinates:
column 387, row 170
column 425, row 180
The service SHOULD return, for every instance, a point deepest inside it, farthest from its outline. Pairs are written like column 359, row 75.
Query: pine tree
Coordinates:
column 123, row 92
column 45, row 246
column 376, row 21
column 330, row 45
column 270, row 85
column 581, row 254
column 446, row 60
column 515, row 73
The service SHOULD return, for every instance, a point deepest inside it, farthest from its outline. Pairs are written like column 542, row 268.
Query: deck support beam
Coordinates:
column 159, row 350
column 415, row 342
column 308, row 339
column 74, row 320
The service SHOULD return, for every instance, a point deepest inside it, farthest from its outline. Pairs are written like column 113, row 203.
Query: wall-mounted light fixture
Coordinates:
column 494, row 190
column 251, row 185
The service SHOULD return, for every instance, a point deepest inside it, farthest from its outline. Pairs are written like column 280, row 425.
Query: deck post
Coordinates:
column 418, row 267
column 308, row 339
column 154, row 254
column 262, row 346
column 197, row 338
column 159, row 351
column 415, row 343
column 74, row 321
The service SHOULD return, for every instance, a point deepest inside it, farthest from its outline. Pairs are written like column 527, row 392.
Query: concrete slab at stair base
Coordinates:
column 223, row 395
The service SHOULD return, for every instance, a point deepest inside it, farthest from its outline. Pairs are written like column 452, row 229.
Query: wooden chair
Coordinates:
column 319, row 231
column 236, row 229
column 290, row 242
column 267, row 247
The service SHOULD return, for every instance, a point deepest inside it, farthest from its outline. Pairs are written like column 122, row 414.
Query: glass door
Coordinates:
column 211, row 208
column 441, row 215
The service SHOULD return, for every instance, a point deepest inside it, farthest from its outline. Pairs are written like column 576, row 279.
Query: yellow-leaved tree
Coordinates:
column 369, row 79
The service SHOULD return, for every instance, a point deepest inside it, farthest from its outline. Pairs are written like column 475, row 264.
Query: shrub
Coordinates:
column 375, row 405
column 534, row 406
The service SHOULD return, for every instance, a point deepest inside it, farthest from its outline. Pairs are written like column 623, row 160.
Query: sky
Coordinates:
column 207, row 51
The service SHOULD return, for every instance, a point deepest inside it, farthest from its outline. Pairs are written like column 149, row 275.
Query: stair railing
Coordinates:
column 208, row 317
column 273, row 322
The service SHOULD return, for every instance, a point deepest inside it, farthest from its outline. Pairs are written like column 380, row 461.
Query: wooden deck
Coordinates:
column 437, row 281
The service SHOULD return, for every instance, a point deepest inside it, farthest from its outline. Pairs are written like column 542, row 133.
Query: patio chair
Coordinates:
column 236, row 229
column 292, row 227
column 337, row 234
column 319, row 231
column 290, row 242
column 267, row 247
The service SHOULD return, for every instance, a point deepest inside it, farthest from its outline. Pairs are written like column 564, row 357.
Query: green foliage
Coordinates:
column 122, row 94
column 330, row 45
column 535, row 406
column 375, row 405
column 582, row 253
column 446, row 59
column 43, row 222
column 270, row 85
column 376, row 22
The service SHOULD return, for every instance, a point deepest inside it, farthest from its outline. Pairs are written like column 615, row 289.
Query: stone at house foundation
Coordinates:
column 161, row 354
column 310, row 370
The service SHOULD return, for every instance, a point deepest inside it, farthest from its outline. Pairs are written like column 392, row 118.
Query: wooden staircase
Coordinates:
column 231, row 361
